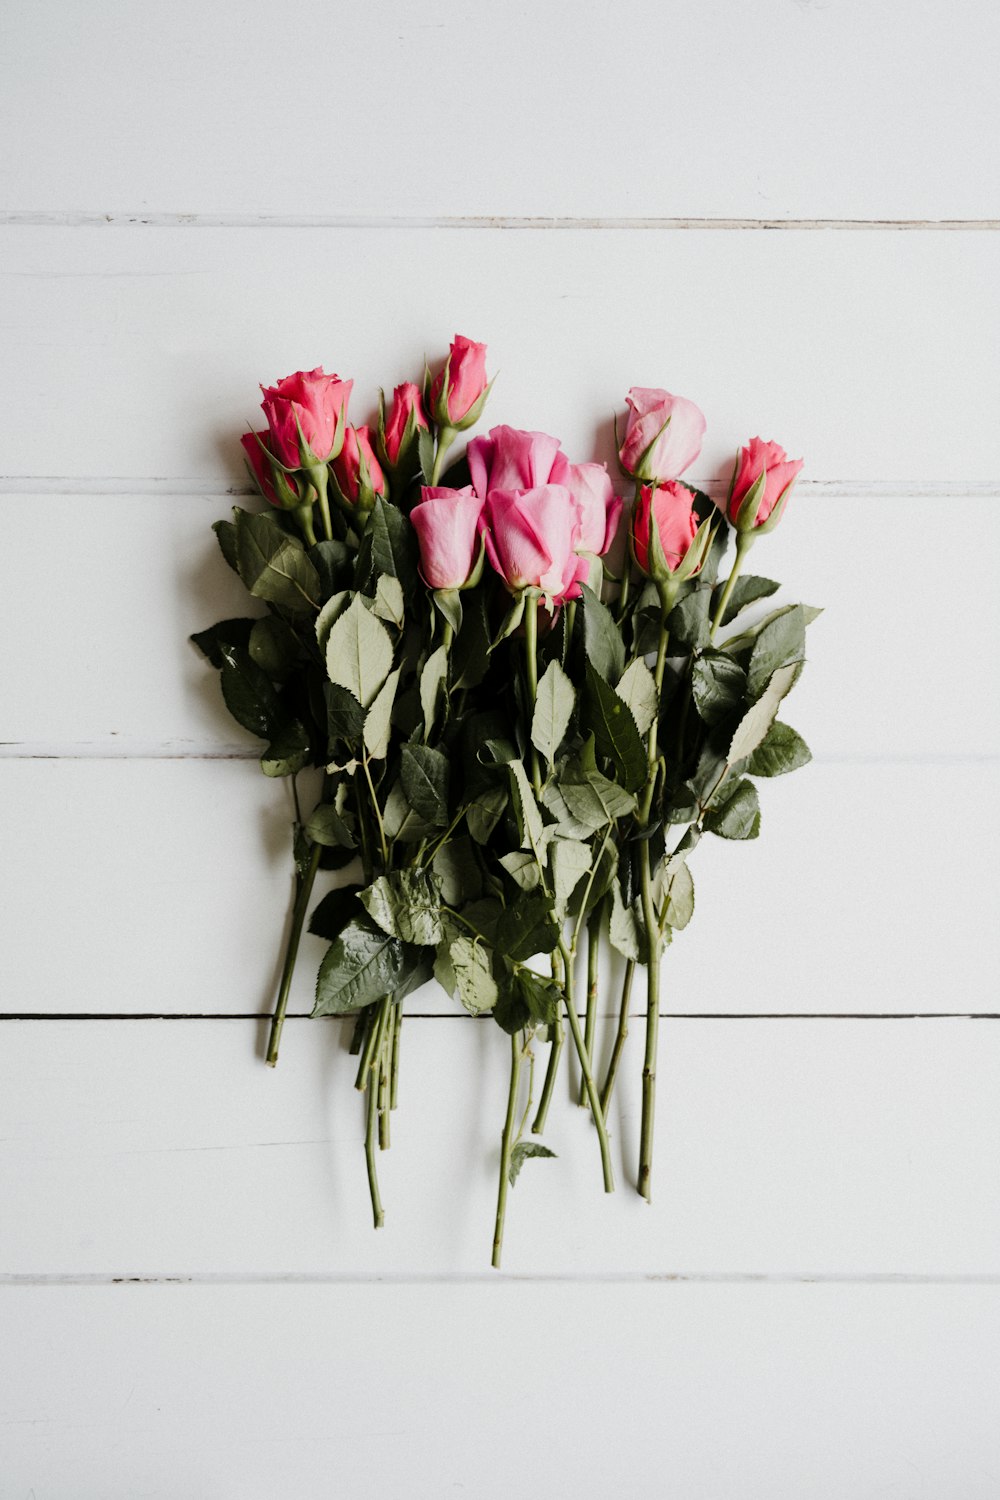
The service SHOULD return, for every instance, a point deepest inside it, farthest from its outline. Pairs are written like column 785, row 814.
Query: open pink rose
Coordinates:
column 663, row 436
column 600, row 508
column 447, row 526
column 308, row 401
column 670, row 507
column 461, row 384
column 406, row 417
column 357, row 470
column 531, row 537
column 754, row 459
column 510, row 459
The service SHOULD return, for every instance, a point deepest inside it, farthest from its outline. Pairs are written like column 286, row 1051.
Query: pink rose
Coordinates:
column 671, row 506
column 447, row 526
column 257, row 448
column 459, row 390
column 766, row 469
column 531, row 537
column 405, row 420
column 663, row 435
column 600, row 508
column 310, row 402
column 510, row 459
column 357, row 470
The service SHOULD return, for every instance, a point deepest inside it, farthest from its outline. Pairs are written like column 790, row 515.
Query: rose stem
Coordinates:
column 744, row 541
column 609, row 1081
column 445, row 438
column 593, row 960
column 291, row 953
column 318, row 475
column 555, row 1051
column 384, row 1061
column 397, row 1026
column 531, row 666
column 370, row 1131
column 360, row 1030
column 588, row 1072
column 506, row 1143
column 368, row 1050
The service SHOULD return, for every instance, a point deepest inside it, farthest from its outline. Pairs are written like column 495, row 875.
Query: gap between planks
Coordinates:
column 493, row 1278
column 92, row 219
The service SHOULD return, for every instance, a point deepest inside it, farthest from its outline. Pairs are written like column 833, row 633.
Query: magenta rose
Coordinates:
column 257, row 449
column 311, row 403
column 405, row 420
column 357, row 471
column 765, row 469
column 531, row 537
column 663, row 436
column 670, row 507
column 447, row 526
column 600, row 508
column 459, row 390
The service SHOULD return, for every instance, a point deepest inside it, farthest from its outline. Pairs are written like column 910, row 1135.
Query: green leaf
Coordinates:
column 433, row 679
column 327, row 827
column 754, row 725
column 226, row 633
column 583, row 800
column 637, row 689
column 402, row 824
column 274, row 566
column 275, row 647
column 718, row 684
column 448, row 603
column 361, row 965
column 614, row 730
column 407, row 905
column 542, row 997
column 781, row 641
column 522, row 867
column 331, row 611
column 332, row 914
column 553, row 710
column 470, row 652
column 344, row 714
column 333, row 563
column 471, row 973
column 624, row 927
column 602, row 640
column 675, row 893
column 359, row 652
column 736, row 812
column 569, row 860
column 688, row 621
column 485, row 811
column 425, row 452
column 424, row 773
column 520, row 1154
column 389, row 599
column 781, row 750
column 528, row 816
column 457, row 868
column 746, row 590
column 225, row 535
column 527, row 927
column 288, row 751
column 393, row 545
column 378, row 718
column 249, row 693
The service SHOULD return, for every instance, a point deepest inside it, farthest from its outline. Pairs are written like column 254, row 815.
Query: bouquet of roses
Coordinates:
column 522, row 729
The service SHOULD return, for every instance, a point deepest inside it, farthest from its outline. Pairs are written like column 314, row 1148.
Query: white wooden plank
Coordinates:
column 871, row 355
column 128, row 682
column 244, row 1393
column 767, row 110
column 788, row 1148
column 167, row 885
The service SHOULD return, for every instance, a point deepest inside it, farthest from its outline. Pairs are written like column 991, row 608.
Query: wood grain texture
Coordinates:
column 768, row 111
column 873, row 355
column 168, row 883
column 784, row 1148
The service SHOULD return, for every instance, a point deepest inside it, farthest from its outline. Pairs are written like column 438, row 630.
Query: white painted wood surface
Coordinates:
column 195, row 198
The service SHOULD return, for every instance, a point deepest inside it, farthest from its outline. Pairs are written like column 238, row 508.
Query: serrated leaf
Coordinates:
column 747, row 590
column 225, row 535
column 359, row 652
column 584, row 801
column 274, row 566
column 569, row 861
column 393, row 544
column 527, row 927
column 522, row 867
column 615, row 733
column 675, row 893
column 470, row 652
column 485, row 811
column 475, row 988
column 275, row 647
column 361, row 965
column 457, row 868
column 333, row 563
column 402, row 824
column 753, row 727
column 288, row 751
column 226, row 633
column 425, row 452
column 553, row 710
column 624, row 928
column 781, row 750
column 736, row 815
column 406, row 905
column 425, row 774
column 432, row 679
column 521, row 1153
column 542, row 997
column 332, row 914
column 249, row 693
column 718, row 684
column 781, row 641
column 688, row 621
column 602, row 639
column 529, row 818
column 389, row 599
column 331, row 611
column 378, row 718
column 637, row 688
column 327, row 827
column 344, row 714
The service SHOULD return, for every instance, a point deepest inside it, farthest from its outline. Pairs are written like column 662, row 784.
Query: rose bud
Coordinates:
column 287, row 491
column 398, row 436
column 663, row 435
column 669, row 543
column 762, row 481
column 447, row 526
column 357, row 472
column 531, row 537
column 306, row 413
column 459, row 391
column 600, row 508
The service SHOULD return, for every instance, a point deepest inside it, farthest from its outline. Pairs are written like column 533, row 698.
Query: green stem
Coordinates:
column 555, row 1052
column 384, row 1064
column 622, row 1033
column 304, row 516
column 377, row 811
column 531, row 667
column 368, row 1051
column 319, row 476
column 624, row 591
column 397, row 1026
column 445, row 438
column 506, row 1145
column 655, row 941
column 360, row 1033
column 370, row 1134
column 744, row 541
column 291, row 953
column 593, row 960
column 588, row 1073
column 653, row 741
